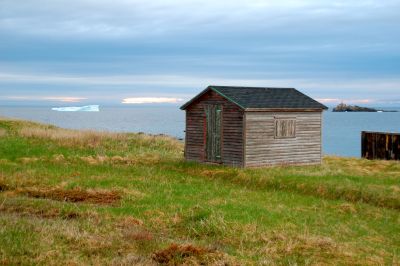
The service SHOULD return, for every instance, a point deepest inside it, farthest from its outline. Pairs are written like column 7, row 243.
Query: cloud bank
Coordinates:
column 143, row 100
column 199, row 81
column 352, row 101
column 139, row 18
column 66, row 99
column 135, row 48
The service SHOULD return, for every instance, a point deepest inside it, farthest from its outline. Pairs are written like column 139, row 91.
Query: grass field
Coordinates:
column 80, row 197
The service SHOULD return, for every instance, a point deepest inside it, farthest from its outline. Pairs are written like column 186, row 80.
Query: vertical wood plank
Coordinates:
column 213, row 129
column 363, row 145
column 244, row 138
column 231, row 130
column 380, row 145
column 262, row 147
column 218, row 121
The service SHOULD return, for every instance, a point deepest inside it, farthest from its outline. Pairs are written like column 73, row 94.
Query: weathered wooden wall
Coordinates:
column 232, row 130
column 380, row 145
column 263, row 148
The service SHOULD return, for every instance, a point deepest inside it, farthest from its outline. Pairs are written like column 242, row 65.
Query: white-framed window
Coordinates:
column 285, row 128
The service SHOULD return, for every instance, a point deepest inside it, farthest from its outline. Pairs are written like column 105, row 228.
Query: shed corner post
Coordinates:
column 320, row 137
column 363, row 144
column 204, row 133
column 185, row 143
column 244, row 140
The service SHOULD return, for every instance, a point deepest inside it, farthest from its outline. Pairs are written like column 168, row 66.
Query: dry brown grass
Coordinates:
column 346, row 208
column 3, row 185
column 73, row 195
column 133, row 229
column 146, row 158
column 27, row 160
column 3, row 132
column 363, row 167
column 159, row 142
column 70, row 137
column 93, row 139
column 286, row 248
column 19, row 179
column 319, row 250
column 129, row 221
column 141, row 159
column 176, row 254
column 133, row 259
column 138, row 235
column 281, row 245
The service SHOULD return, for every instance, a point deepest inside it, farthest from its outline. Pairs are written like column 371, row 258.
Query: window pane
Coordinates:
column 285, row 128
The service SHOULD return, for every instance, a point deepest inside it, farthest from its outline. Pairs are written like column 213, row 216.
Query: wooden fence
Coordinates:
column 380, row 145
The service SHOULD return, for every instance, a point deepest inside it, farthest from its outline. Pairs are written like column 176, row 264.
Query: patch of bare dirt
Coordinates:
column 4, row 261
column 49, row 213
column 73, row 195
column 133, row 229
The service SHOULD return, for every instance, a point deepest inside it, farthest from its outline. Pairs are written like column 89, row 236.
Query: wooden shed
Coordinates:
column 252, row 126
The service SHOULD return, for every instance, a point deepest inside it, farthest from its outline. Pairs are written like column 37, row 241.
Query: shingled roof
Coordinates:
column 262, row 98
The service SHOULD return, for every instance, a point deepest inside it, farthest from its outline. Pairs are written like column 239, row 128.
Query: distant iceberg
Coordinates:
column 87, row 108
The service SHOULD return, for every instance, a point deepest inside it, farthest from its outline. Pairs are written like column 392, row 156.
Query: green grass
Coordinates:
column 166, row 210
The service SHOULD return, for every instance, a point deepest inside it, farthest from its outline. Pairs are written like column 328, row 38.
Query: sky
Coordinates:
column 126, row 52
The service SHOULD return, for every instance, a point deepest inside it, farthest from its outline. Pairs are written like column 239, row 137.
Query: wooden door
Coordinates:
column 213, row 132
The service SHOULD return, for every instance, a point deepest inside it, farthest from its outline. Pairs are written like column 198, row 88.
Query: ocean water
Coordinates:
column 341, row 131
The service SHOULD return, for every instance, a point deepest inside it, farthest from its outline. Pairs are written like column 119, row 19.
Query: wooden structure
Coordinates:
column 247, row 126
column 380, row 145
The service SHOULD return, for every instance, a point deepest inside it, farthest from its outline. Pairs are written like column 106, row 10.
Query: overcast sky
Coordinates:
column 114, row 52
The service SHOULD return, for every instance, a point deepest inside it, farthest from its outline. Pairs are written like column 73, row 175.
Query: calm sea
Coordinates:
column 341, row 131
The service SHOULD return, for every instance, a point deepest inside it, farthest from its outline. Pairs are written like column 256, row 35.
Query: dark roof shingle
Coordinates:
column 257, row 97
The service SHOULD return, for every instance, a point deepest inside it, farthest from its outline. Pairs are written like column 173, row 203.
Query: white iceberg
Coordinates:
column 87, row 108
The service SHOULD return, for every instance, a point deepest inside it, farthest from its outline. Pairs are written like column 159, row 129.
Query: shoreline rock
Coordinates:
column 355, row 108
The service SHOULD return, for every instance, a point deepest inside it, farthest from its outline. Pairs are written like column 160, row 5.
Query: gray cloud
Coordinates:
column 130, row 19
column 330, row 49
column 182, row 83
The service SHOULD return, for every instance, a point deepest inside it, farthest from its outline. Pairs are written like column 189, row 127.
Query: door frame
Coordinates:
column 205, row 133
